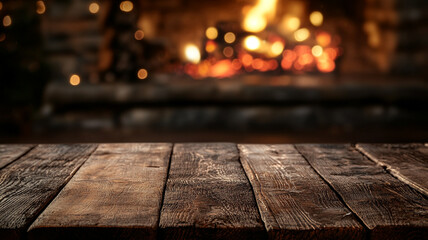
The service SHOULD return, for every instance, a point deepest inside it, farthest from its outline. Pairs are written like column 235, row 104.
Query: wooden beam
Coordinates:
column 11, row 152
column 407, row 162
column 388, row 207
column 294, row 202
column 31, row 182
column 116, row 194
column 208, row 195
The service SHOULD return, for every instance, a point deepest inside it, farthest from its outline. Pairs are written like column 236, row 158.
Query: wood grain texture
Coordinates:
column 11, row 152
column 388, row 207
column 116, row 194
column 407, row 162
column 294, row 202
column 31, row 182
column 208, row 195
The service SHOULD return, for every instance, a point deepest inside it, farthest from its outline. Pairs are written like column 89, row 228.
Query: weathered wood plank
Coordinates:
column 387, row 206
column 407, row 162
column 116, row 194
column 30, row 183
column 208, row 195
column 294, row 202
column 11, row 152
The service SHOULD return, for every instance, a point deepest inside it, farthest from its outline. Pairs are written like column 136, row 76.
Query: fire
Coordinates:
column 258, row 16
column 291, row 46
column 192, row 53
column 252, row 43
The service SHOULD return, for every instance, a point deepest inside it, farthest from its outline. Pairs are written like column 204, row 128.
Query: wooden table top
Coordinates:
column 214, row 191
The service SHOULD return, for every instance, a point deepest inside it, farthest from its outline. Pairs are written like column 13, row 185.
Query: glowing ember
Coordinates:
column 289, row 47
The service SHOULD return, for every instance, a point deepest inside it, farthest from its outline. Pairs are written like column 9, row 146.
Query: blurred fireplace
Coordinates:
column 129, row 68
column 369, row 37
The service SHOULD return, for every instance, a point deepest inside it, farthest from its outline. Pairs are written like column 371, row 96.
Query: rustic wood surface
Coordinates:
column 388, row 207
column 134, row 191
column 30, row 183
column 407, row 162
column 11, row 152
column 294, row 202
column 208, row 195
column 116, row 194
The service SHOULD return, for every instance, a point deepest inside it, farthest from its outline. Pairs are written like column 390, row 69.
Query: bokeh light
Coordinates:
column 317, row 51
column 210, row 46
column 40, row 7
column 192, row 53
column 252, row 43
column 74, row 80
column 301, row 34
column 142, row 74
column 229, row 37
column 126, row 6
column 139, row 35
column 228, row 52
column 211, row 33
column 276, row 48
column 94, row 8
column 316, row 18
column 289, row 24
column 7, row 21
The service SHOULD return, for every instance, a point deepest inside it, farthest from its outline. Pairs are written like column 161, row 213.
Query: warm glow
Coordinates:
column 210, row 46
column 142, row 73
column 2, row 37
column 246, row 60
column 126, row 6
column 301, row 34
column 74, row 80
column 289, row 24
column 323, row 39
column 94, row 7
column 192, row 53
column 317, row 51
column 316, row 18
column 326, row 66
column 139, row 35
column 257, row 63
column 222, row 69
column 258, row 16
column 40, row 7
column 211, row 33
column 228, row 52
column 1, row 5
column 252, row 43
column 7, row 21
column 277, row 48
column 229, row 37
